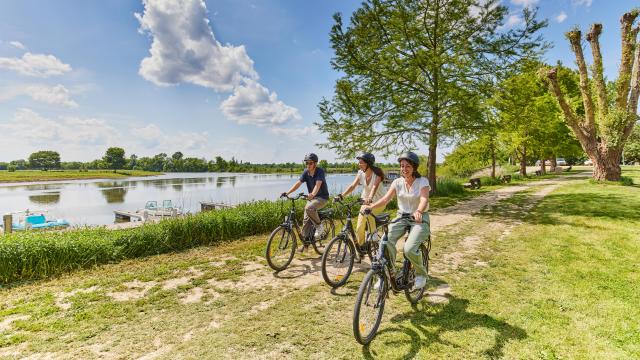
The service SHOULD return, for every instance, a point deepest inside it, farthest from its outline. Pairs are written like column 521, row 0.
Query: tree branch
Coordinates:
column 626, row 60
column 574, row 37
column 593, row 37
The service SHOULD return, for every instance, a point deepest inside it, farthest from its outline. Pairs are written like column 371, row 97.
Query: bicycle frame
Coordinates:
column 348, row 229
column 291, row 221
column 382, row 263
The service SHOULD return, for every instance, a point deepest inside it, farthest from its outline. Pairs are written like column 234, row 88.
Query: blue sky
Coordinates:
column 80, row 76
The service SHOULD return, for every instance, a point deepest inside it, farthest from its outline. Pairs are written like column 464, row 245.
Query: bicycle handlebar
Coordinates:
column 296, row 197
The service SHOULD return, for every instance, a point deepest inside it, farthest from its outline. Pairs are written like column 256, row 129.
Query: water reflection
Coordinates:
column 114, row 195
column 220, row 181
column 46, row 198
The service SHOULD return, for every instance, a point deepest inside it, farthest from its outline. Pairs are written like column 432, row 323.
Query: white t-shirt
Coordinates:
column 366, row 187
column 409, row 199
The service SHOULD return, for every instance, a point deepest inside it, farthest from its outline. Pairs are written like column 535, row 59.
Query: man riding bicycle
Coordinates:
column 314, row 177
column 412, row 191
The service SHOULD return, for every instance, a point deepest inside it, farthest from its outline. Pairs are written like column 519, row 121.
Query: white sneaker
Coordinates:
column 420, row 282
column 378, row 284
column 319, row 231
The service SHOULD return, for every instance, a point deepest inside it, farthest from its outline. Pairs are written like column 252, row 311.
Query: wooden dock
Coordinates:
column 210, row 205
column 145, row 215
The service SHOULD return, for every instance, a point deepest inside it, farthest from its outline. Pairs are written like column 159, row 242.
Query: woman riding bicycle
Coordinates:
column 370, row 177
column 412, row 191
column 318, row 196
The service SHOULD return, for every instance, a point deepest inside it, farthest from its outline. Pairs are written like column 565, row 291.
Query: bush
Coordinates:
column 488, row 181
column 626, row 181
column 447, row 186
column 11, row 168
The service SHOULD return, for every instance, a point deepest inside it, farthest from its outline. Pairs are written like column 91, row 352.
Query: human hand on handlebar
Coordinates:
column 284, row 194
column 310, row 196
column 365, row 210
column 417, row 215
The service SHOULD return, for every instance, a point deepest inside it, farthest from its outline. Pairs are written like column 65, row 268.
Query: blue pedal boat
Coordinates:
column 39, row 221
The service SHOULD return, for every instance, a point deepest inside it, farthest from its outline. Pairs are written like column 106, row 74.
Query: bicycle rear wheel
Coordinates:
column 328, row 232
column 337, row 261
column 280, row 248
column 415, row 295
column 369, row 307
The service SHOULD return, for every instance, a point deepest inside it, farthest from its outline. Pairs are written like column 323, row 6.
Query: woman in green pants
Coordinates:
column 412, row 191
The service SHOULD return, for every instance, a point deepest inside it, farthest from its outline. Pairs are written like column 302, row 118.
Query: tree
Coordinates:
column 114, row 158
column 44, row 160
column 324, row 164
column 632, row 147
column 414, row 71
column 606, row 124
column 526, row 111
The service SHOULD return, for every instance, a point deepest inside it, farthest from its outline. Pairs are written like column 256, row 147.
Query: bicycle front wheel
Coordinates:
column 281, row 247
column 367, row 313
column 415, row 295
column 337, row 261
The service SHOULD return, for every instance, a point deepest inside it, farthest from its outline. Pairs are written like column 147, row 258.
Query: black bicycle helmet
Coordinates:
column 410, row 157
column 311, row 157
column 368, row 158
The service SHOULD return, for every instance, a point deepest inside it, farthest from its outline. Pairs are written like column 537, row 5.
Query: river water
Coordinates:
column 92, row 202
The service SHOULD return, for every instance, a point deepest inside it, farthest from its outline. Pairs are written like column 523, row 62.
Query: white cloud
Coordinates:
column 53, row 95
column 513, row 20
column 154, row 139
column 18, row 45
column 37, row 65
column 295, row 133
column 37, row 130
column 525, row 3
column 185, row 50
column 561, row 17
column 77, row 138
column 586, row 3
column 252, row 103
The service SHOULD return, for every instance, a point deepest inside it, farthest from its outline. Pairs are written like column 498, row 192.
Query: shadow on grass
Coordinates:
column 555, row 208
column 431, row 321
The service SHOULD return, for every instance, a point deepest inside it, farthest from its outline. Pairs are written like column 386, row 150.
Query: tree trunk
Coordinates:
column 543, row 166
column 608, row 166
column 523, row 162
column 554, row 164
column 493, row 160
column 431, row 166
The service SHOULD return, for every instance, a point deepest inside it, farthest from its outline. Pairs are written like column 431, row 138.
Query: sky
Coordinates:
column 218, row 77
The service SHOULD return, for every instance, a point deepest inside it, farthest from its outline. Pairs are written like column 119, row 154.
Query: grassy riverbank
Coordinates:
column 35, row 255
column 52, row 175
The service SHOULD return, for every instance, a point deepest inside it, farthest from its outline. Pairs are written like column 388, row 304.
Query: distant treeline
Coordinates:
column 50, row 160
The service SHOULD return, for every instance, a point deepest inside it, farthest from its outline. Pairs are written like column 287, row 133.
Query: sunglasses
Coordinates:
column 309, row 162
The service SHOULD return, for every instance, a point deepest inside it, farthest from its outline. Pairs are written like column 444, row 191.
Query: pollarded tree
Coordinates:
column 415, row 70
column 607, row 123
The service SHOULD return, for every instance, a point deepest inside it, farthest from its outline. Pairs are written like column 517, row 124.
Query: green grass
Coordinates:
column 38, row 175
column 559, row 281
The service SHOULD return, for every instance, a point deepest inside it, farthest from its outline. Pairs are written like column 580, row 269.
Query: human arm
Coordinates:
column 423, row 205
column 315, row 190
column 383, row 200
column 293, row 188
column 351, row 187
